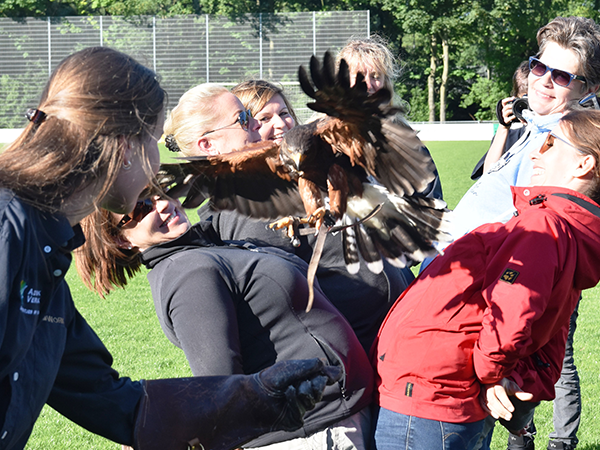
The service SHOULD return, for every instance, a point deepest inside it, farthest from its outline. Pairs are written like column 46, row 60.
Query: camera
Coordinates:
column 519, row 105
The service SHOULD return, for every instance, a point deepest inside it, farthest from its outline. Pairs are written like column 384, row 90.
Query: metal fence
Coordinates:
column 184, row 51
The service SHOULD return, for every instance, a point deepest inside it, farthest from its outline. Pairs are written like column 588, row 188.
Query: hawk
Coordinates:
column 357, row 169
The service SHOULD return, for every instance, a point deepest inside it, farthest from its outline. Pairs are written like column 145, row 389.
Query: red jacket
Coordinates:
column 496, row 304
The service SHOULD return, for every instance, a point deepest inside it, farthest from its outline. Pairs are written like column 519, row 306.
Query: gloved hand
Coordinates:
column 220, row 413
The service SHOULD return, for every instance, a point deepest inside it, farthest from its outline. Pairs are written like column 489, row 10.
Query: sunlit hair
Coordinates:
column 582, row 128
column 579, row 35
column 520, row 80
column 94, row 99
column 373, row 51
column 255, row 94
column 102, row 262
column 195, row 113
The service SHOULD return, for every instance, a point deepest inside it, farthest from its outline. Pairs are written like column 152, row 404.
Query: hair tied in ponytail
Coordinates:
column 35, row 115
column 171, row 143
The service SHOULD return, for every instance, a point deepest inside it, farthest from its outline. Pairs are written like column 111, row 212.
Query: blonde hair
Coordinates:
column 255, row 94
column 375, row 52
column 93, row 98
column 194, row 114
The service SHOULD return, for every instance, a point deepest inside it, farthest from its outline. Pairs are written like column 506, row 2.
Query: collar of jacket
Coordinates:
column 201, row 234
column 524, row 197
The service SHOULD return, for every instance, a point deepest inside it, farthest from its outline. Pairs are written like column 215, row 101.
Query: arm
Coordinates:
column 434, row 188
column 88, row 391
column 530, row 253
column 495, row 398
column 497, row 147
column 196, row 307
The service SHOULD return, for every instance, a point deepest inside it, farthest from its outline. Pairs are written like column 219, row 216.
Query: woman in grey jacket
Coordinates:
column 235, row 308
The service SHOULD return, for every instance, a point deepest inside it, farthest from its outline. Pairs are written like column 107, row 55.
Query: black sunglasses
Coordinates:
column 560, row 77
column 243, row 119
column 141, row 210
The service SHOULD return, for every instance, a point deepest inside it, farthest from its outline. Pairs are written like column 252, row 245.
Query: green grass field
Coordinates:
column 127, row 324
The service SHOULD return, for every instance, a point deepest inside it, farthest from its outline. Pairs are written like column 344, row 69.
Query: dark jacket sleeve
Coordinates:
column 88, row 391
column 195, row 304
column 434, row 188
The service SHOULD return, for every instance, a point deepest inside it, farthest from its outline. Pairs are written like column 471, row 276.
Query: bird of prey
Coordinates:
column 356, row 161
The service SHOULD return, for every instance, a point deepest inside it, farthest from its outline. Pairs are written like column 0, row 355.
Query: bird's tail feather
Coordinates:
column 406, row 229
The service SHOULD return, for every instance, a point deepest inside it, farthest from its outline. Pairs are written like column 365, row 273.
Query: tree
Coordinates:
column 443, row 23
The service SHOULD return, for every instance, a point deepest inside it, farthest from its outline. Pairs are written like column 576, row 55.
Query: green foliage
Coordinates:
column 418, row 110
column 487, row 38
column 486, row 94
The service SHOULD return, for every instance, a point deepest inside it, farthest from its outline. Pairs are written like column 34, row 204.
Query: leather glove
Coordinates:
column 221, row 413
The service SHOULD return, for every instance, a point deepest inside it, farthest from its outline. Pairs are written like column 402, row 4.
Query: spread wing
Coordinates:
column 251, row 181
column 363, row 128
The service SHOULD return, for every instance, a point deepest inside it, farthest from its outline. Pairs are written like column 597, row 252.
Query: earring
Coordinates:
column 127, row 165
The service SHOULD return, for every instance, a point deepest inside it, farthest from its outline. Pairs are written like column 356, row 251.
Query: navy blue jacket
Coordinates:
column 48, row 353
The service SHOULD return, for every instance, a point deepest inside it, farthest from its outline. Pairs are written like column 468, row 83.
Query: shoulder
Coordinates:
column 14, row 214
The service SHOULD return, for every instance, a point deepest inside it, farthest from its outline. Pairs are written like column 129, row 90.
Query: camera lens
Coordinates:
column 520, row 105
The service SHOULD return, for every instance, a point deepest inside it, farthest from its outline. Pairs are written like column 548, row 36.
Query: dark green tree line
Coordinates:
column 458, row 56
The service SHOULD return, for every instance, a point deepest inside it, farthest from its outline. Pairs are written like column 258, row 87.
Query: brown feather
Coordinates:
column 337, row 184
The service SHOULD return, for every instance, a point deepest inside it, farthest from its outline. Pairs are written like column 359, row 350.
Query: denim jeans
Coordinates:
column 396, row 431
column 567, row 404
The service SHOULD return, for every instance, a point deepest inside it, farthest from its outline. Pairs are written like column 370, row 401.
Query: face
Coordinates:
column 556, row 162
column 275, row 120
column 373, row 78
column 545, row 96
column 133, row 176
column 229, row 135
column 166, row 221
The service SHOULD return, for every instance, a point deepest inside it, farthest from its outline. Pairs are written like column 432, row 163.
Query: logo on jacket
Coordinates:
column 30, row 299
column 509, row 276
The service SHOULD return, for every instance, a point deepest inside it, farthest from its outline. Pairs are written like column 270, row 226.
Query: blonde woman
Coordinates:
column 268, row 105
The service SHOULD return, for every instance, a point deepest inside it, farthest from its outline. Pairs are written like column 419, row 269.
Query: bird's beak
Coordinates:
column 297, row 158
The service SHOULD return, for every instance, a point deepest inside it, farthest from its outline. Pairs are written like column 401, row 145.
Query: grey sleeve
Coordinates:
column 198, row 314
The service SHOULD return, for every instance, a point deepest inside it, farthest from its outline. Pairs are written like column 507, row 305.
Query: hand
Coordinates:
column 302, row 382
column 507, row 111
column 494, row 399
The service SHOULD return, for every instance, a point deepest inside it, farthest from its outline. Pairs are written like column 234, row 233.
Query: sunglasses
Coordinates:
column 141, row 210
column 243, row 119
column 549, row 142
column 560, row 77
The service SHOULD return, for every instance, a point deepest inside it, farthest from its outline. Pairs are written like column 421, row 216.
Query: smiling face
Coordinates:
column 558, row 162
column 544, row 95
column 167, row 221
column 275, row 119
column 229, row 134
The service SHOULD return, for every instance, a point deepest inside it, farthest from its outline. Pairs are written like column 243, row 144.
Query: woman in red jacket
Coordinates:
column 490, row 314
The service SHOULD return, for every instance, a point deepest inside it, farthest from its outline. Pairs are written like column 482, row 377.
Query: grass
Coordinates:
column 127, row 324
